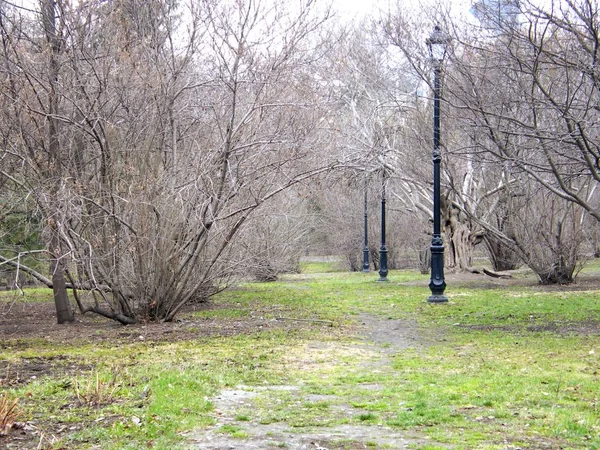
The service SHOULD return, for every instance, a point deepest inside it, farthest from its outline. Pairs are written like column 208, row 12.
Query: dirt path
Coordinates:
column 384, row 337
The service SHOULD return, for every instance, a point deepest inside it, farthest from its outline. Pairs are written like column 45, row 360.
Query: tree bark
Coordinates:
column 64, row 312
column 462, row 239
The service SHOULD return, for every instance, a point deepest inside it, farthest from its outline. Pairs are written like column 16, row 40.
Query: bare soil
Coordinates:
column 382, row 336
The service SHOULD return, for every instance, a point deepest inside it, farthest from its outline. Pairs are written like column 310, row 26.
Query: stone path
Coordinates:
column 383, row 336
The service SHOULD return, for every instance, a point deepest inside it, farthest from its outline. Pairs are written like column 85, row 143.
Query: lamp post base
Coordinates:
column 437, row 298
column 437, row 284
column 366, row 266
column 383, row 264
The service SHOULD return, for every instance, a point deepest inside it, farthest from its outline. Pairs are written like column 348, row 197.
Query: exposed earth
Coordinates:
column 36, row 320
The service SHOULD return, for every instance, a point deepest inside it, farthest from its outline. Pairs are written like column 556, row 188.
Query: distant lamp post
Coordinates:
column 366, row 267
column 383, row 253
column 437, row 45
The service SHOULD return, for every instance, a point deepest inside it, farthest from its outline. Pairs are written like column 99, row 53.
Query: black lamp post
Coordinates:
column 437, row 44
column 366, row 267
column 383, row 262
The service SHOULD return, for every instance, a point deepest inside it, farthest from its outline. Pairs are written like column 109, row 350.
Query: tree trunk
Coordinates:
column 59, row 286
column 461, row 248
column 64, row 313
column 502, row 257
column 461, row 239
column 557, row 275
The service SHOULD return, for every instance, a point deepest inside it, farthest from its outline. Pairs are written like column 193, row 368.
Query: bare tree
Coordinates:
column 374, row 103
column 462, row 187
column 519, row 110
column 275, row 238
column 37, row 127
column 526, row 89
column 174, row 133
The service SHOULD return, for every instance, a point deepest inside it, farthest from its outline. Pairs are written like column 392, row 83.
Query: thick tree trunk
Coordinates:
column 461, row 247
column 64, row 313
column 461, row 239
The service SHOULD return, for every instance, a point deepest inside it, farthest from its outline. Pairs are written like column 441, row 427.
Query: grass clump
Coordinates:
column 9, row 413
column 96, row 392
column 234, row 431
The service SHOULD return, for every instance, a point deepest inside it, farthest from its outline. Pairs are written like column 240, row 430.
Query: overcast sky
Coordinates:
column 358, row 8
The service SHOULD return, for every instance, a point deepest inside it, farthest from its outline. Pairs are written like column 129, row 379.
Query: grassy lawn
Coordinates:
column 498, row 367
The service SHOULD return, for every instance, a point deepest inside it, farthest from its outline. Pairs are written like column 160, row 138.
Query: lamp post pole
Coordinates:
column 383, row 261
column 366, row 266
column 437, row 43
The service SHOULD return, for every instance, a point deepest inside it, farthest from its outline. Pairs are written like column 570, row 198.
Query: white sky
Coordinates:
column 351, row 8
column 358, row 8
column 363, row 7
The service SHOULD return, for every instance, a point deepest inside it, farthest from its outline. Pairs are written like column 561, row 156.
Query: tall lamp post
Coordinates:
column 437, row 44
column 366, row 267
column 383, row 260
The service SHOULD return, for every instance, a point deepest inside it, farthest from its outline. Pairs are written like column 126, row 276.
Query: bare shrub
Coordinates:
column 9, row 413
column 549, row 233
column 274, row 239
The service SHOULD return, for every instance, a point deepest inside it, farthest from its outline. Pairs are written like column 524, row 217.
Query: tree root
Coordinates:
column 490, row 273
column 328, row 322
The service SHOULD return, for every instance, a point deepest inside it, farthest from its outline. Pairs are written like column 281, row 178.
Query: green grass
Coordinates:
column 27, row 295
column 311, row 267
column 502, row 368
